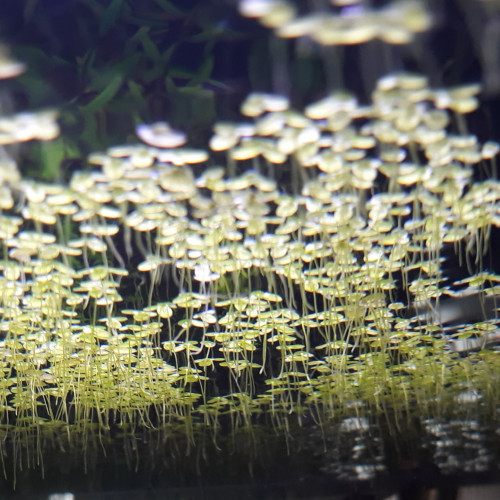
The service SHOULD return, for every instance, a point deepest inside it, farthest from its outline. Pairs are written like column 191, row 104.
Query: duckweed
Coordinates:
column 256, row 300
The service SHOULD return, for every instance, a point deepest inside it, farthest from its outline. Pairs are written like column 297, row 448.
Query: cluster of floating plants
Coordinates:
column 288, row 284
column 352, row 23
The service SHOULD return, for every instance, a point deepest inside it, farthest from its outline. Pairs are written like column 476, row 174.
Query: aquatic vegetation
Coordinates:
column 296, row 300
column 395, row 23
column 302, row 281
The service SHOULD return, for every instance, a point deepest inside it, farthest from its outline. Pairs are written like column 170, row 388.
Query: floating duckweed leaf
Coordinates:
column 203, row 273
column 385, row 132
column 337, row 102
column 96, row 332
column 338, row 31
column 189, row 300
column 376, row 299
column 490, row 149
column 339, row 120
column 227, row 135
column 256, row 226
column 436, row 119
column 142, row 158
column 189, row 156
column 365, row 170
column 134, row 219
column 109, row 212
column 8, row 67
column 396, row 23
column 165, row 311
column 330, row 162
column 178, row 180
column 287, row 228
column 147, row 225
column 37, row 238
column 35, row 193
column 173, row 346
column 354, row 155
column 402, row 80
column 49, row 252
column 142, row 316
column 95, row 244
column 266, row 296
column 205, row 362
column 222, row 142
column 59, row 199
column 151, row 263
column 298, row 357
column 396, row 35
column 411, row 174
column 99, row 229
column 9, row 226
column 210, row 177
column 258, row 103
column 177, row 250
column 40, row 213
column 460, row 99
column 270, row 124
column 272, row 13
column 6, row 199
column 27, row 126
column 246, row 151
column 271, row 154
column 160, row 135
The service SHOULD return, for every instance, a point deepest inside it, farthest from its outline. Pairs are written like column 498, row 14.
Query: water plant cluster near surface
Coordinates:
column 298, row 282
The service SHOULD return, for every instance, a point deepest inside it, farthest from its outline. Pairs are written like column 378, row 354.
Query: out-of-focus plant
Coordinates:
column 95, row 61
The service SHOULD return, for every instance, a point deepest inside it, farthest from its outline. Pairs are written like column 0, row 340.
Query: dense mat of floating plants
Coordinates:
column 347, row 22
column 263, row 297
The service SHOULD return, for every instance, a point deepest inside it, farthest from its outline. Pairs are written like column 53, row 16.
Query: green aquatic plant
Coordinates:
column 115, row 53
column 396, row 23
column 299, row 282
column 298, row 288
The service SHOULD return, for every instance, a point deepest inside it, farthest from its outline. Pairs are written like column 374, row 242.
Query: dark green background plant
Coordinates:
column 107, row 65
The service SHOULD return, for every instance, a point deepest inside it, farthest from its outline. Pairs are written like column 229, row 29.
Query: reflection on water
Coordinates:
column 359, row 454
column 353, row 450
column 459, row 445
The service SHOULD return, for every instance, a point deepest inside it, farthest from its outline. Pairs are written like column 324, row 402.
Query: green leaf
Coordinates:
column 86, row 62
column 219, row 85
column 167, row 54
column 109, row 16
column 150, row 48
column 51, row 154
column 169, row 7
column 181, row 73
column 89, row 134
column 135, row 89
column 169, row 84
column 39, row 91
column 204, row 72
column 106, row 95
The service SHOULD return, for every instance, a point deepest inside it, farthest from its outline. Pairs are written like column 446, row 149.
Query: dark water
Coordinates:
column 354, row 457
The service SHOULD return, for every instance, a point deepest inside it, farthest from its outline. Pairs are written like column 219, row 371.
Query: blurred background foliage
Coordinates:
column 107, row 65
